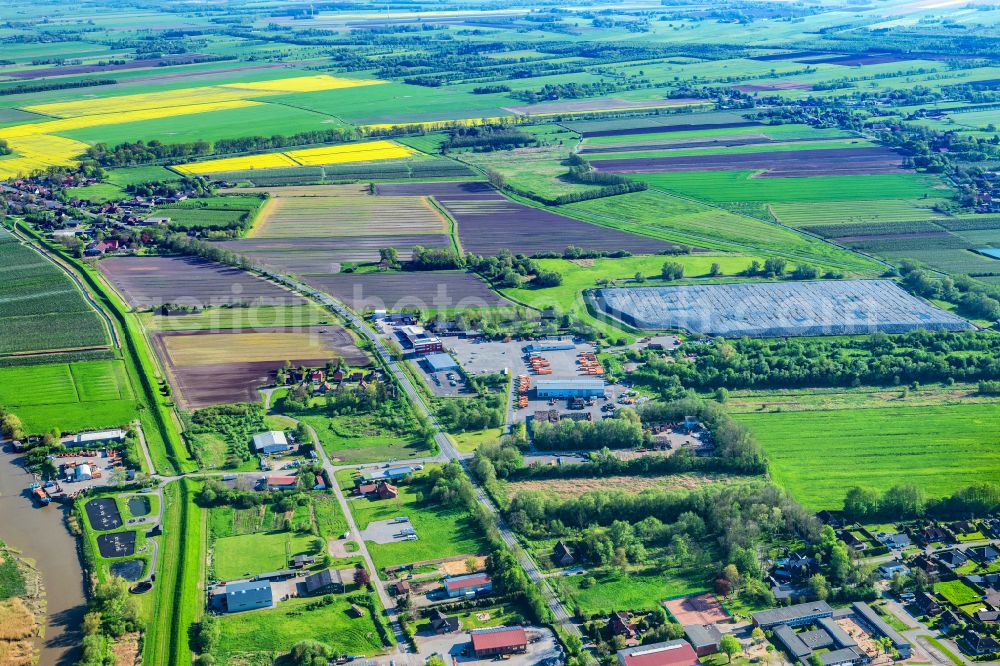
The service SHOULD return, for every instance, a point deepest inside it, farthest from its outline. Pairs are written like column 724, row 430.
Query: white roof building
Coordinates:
column 273, row 440
column 99, row 437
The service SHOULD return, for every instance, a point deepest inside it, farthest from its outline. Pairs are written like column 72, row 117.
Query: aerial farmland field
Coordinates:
column 938, row 448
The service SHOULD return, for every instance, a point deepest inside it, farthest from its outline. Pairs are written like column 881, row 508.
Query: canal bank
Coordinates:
column 40, row 534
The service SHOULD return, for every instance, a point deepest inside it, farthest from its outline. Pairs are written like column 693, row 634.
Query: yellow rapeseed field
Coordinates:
column 38, row 152
column 304, row 84
column 358, row 152
column 267, row 161
column 190, row 96
column 363, row 152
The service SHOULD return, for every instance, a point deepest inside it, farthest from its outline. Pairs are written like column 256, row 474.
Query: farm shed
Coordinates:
column 569, row 388
column 99, row 437
column 462, row 586
column 281, row 483
column 329, row 580
column 668, row 653
column 440, row 362
column 273, row 441
column 248, row 595
column 499, row 640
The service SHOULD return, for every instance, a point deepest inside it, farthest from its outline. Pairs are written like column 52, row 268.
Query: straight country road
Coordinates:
column 444, row 443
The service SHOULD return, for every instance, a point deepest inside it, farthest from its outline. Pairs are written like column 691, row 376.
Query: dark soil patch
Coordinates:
column 103, row 514
column 396, row 291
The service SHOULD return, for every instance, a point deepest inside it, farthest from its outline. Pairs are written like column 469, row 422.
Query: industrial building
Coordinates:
column 465, row 586
column 669, row 653
column 438, row 362
column 569, row 388
column 420, row 340
column 88, row 439
column 248, row 595
column 273, row 441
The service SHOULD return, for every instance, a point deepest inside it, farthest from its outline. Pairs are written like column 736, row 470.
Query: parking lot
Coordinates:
column 389, row 531
column 445, row 384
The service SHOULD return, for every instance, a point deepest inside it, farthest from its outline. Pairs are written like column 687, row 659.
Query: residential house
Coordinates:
column 898, row 540
column 988, row 616
column 280, row 482
column 442, row 623
column 561, row 555
column 621, row 624
column 927, row 604
column 891, row 568
column 980, row 644
column 948, row 619
column 301, row 561
column 386, row 490
column 963, row 527
column 952, row 558
column 329, row 580
column 987, row 554
column 935, row 534
column 929, row 566
column 467, row 586
column 852, row 540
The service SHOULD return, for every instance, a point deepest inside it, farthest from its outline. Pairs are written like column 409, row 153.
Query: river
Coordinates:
column 41, row 534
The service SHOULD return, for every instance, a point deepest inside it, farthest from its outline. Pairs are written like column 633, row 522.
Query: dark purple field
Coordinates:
column 830, row 162
column 719, row 143
column 489, row 222
column 395, row 291
column 149, row 282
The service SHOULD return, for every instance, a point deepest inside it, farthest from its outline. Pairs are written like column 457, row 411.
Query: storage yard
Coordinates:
column 768, row 309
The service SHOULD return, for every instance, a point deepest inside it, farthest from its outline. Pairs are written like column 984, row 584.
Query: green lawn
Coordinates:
column 818, row 455
column 345, row 443
column 443, row 531
column 250, row 554
column 256, row 636
column 957, row 592
column 630, row 591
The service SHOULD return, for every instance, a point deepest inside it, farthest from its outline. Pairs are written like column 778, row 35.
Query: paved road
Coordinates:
column 444, row 443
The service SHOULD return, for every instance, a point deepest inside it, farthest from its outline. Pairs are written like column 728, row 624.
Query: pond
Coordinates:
column 138, row 505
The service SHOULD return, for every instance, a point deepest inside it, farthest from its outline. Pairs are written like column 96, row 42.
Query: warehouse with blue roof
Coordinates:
column 569, row 388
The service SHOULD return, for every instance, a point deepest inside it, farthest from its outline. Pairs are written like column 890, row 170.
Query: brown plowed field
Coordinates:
column 422, row 290
column 817, row 162
column 489, row 222
column 148, row 282
column 218, row 367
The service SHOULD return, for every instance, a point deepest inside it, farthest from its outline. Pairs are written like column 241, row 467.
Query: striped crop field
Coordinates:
column 305, row 217
column 815, row 213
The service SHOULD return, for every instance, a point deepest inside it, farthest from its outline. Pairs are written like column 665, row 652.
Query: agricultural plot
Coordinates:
column 41, row 308
column 818, row 455
column 775, row 164
column 70, row 397
column 721, row 137
column 150, row 282
column 767, row 309
column 214, row 213
column 383, row 170
column 681, row 122
column 597, row 105
column 489, row 222
column 211, row 368
column 397, row 291
column 813, row 215
column 354, row 152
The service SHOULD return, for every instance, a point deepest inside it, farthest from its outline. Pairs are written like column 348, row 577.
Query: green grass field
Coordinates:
column 689, row 222
column 256, row 636
column 818, row 455
column 957, row 592
column 348, row 439
column 69, row 396
column 725, row 186
column 630, row 591
column 250, row 554
column 443, row 531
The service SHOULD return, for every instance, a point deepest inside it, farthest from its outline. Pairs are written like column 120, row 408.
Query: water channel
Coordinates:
column 41, row 534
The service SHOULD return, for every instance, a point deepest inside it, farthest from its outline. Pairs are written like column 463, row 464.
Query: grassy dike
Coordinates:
column 178, row 578
column 167, row 449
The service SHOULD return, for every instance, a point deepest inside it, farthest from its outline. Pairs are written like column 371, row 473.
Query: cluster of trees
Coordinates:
column 878, row 360
column 510, row 270
column 24, row 88
column 111, row 613
column 10, row 424
column 499, row 181
column 622, row 432
column 141, row 152
column 909, row 501
column 487, row 138
column 473, row 414
column 572, row 90
column 235, row 423
column 434, row 259
column 4, row 147
column 974, row 298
